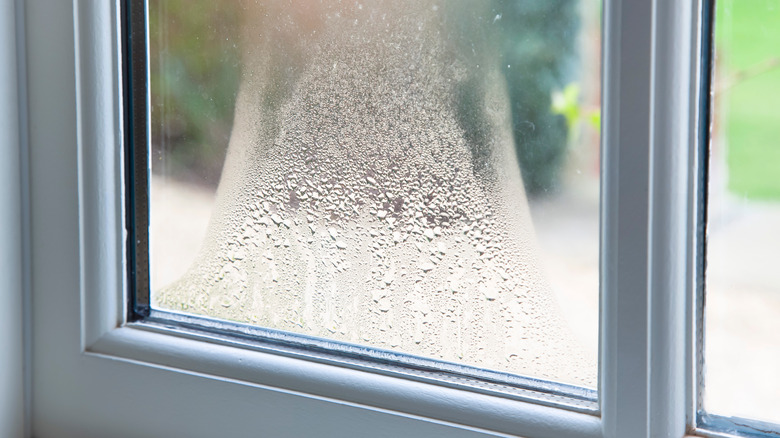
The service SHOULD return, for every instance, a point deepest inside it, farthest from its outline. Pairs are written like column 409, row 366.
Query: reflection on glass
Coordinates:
column 742, row 313
column 371, row 191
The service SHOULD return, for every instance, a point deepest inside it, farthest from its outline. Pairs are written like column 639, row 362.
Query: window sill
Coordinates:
column 217, row 359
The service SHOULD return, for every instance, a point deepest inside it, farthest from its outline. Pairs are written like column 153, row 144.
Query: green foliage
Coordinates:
column 748, row 89
column 195, row 76
column 193, row 83
column 539, row 52
column 567, row 103
column 594, row 119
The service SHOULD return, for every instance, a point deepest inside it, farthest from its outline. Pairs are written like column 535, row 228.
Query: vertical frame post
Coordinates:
column 13, row 397
column 650, row 79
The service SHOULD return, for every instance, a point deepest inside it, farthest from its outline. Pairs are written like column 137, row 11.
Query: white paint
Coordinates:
column 12, row 375
column 93, row 379
column 650, row 92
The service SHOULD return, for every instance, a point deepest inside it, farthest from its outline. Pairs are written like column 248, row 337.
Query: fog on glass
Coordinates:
column 371, row 191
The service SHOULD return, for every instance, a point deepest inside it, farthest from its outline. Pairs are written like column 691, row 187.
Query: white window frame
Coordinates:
column 93, row 375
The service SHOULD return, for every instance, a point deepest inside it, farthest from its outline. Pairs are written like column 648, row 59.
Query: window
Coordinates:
column 740, row 344
column 371, row 195
column 93, row 374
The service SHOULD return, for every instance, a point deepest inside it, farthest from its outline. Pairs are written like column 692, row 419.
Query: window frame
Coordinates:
column 96, row 375
column 13, row 250
column 378, row 360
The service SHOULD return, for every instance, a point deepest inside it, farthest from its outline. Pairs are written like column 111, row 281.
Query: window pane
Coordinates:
column 742, row 313
column 414, row 176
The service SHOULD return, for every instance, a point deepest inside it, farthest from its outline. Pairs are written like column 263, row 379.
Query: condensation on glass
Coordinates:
column 742, row 308
column 371, row 191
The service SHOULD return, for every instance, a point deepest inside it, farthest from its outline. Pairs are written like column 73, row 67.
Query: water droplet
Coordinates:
column 418, row 334
column 490, row 293
column 384, row 304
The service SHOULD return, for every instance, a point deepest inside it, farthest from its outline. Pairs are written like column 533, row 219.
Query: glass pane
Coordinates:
column 742, row 313
column 417, row 176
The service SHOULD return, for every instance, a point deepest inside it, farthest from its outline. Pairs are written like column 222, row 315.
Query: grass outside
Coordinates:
column 748, row 94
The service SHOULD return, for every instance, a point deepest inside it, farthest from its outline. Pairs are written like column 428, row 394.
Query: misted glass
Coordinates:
column 418, row 176
column 742, row 308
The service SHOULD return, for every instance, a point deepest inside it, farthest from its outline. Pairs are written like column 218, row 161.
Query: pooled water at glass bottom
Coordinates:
column 367, row 203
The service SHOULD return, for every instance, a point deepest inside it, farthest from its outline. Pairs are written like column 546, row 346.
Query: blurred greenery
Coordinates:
column 567, row 103
column 539, row 49
column 747, row 94
column 195, row 74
